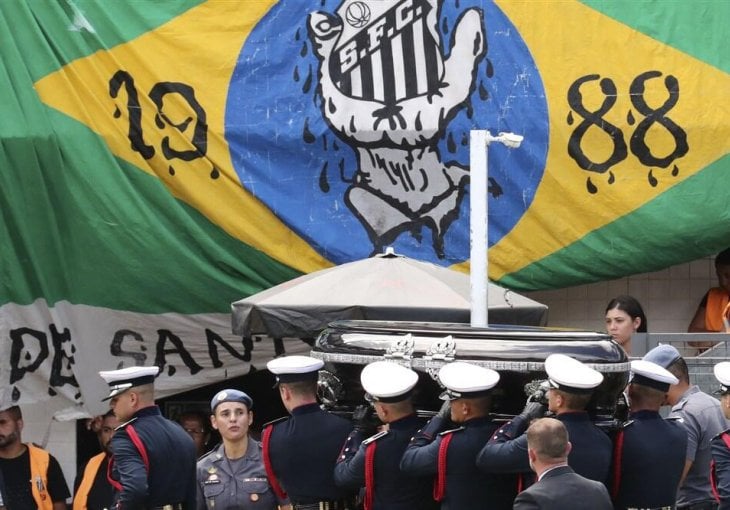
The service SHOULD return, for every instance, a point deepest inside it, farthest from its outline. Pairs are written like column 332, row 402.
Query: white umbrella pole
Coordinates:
column 478, row 226
column 479, row 242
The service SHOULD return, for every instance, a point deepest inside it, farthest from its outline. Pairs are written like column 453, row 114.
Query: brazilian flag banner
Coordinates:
column 162, row 159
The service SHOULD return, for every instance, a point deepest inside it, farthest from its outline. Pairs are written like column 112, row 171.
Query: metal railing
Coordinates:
column 701, row 351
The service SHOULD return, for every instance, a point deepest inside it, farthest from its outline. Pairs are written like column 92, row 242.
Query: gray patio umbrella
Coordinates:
column 383, row 287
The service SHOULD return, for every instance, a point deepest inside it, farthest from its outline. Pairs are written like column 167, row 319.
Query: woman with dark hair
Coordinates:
column 232, row 476
column 624, row 317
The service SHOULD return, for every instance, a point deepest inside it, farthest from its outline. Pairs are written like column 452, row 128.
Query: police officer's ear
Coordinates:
column 133, row 397
column 285, row 392
column 212, row 424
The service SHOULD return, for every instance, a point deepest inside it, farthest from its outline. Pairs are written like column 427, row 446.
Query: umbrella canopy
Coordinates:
column 383, row 287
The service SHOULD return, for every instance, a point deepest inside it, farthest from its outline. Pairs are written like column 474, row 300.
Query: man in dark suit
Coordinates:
column 558, row 486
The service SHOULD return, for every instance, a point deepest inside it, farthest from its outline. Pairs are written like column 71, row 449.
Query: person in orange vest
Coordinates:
column 32, row 477
column 712, row 313
column 92, row 488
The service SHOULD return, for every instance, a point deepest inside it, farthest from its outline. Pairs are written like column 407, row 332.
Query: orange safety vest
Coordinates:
column 717, row 303
column 39, row 460
column 82, row 494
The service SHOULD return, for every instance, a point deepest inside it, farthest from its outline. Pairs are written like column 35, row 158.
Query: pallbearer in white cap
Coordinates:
column 650, row 451
column 300, row 451
column 720, row 444
column 289, row 369
column 570, row 375
column 153, row 459
column 450, row 454
column 570, row 386
column 389, row 387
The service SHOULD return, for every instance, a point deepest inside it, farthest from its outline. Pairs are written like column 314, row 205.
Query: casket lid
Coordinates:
column 430, row 344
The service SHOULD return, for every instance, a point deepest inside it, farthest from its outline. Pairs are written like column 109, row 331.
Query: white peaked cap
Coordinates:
column 386, row 381
column 569, row 374
column 465, row 380
column 121, row 380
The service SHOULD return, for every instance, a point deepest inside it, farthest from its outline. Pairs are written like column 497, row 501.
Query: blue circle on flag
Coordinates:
column 318, row 175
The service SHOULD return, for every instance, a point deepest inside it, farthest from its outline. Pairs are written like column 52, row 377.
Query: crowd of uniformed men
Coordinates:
column 389, row 458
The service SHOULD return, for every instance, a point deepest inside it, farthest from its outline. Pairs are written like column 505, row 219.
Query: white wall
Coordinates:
column 669, row 298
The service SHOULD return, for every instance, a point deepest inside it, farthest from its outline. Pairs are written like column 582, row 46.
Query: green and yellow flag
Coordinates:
column 163, row 159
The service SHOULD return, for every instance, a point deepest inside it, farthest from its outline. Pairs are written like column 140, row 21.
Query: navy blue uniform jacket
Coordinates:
column 590, row 456
column 303, row 450
column 652, row 460
column 171, row 453
column 393, row 489
column 466, row 486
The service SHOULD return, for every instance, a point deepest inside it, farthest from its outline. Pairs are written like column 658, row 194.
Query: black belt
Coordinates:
column 172, row 506
column 321, row 505
column 701, row 505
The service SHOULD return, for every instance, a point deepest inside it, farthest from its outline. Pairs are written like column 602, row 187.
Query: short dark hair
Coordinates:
column 575, row 401
column 723, row 258
column 482, row 404
column 632, row 307
column 645, row 396
column 15, row 413
column 680, row 370
column 302, row 388
column 202, row 417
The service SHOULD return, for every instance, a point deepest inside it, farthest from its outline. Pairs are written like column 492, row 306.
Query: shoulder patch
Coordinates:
column 126, row 423
column 451, row 431
column 374, row 438
column 274, row 422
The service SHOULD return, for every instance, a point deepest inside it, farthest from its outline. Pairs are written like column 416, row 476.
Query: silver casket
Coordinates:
column 517, row 352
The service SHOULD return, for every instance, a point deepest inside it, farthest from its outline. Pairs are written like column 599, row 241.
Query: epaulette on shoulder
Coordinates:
column 125, row 424
column 675, row 419
column 374, row 438
column 627, row 424
column 274, row 422
column 451, row 431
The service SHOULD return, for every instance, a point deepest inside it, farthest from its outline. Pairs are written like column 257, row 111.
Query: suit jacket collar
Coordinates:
column 556, row 471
